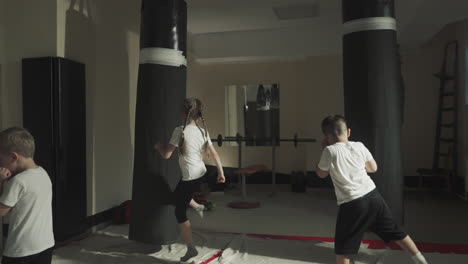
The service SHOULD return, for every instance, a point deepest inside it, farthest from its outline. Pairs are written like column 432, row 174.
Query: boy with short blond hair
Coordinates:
column 27, row 198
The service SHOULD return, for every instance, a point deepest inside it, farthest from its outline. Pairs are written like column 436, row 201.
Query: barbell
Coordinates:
column 238, row 138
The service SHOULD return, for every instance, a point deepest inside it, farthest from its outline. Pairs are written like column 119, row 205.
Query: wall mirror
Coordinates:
column 252, row 110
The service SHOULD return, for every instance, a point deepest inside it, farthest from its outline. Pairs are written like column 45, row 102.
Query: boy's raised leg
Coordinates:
column 408, row 245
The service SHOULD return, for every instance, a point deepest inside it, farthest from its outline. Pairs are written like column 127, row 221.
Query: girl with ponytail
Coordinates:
column 192, row 142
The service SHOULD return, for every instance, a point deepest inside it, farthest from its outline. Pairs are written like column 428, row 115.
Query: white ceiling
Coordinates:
column 239, row 30
column 211, row 16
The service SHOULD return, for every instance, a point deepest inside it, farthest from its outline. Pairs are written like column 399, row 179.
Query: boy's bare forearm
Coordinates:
column 320, row 173
column 371, row 166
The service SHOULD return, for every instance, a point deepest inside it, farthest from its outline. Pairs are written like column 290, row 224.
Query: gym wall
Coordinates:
column 422, row 91
column 28, row 31
column 309, row 89
column 105, row 36
column 312, row 88
column 108, row 43
column 2, row 59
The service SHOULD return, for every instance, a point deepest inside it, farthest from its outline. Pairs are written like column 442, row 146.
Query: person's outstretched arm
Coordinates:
column 321, row 173
column 165, row 151
column 322, row 169
column 10, row 197
column 371, row 166
column 217, row 160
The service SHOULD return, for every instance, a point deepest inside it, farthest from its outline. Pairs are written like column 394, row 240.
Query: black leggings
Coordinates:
column 183, row 194
column 44, row 257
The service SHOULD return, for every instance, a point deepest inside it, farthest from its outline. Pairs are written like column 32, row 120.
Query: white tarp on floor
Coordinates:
column 112, row 246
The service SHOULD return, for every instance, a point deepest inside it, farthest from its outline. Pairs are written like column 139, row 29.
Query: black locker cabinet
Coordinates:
column 54, row 112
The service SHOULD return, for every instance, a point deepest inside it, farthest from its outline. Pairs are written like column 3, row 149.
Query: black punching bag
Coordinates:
column 373, row 90
column 161, row 90
column 264, row 125
column 275, row 114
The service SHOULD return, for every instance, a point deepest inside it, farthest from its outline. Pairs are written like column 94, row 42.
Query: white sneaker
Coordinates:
column 200, row 210
column 419, row 259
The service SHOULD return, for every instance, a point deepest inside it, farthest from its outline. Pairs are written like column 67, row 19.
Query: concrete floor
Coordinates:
column 429, row 218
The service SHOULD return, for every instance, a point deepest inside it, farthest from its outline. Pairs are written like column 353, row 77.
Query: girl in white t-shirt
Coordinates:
column 192, row 141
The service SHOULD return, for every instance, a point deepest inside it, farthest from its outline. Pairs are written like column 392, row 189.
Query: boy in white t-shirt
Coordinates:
column 27, row 198
column 361, row 207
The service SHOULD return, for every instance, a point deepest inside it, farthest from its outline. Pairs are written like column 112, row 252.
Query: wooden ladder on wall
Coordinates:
column 445, row 157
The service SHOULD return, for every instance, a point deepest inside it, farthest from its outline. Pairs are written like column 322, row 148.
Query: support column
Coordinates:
column 161, row 90
column 373, row 90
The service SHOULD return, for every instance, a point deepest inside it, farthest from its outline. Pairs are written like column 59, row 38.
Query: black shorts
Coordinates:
column 183, row 194
column 44, row 257
column 368, row 213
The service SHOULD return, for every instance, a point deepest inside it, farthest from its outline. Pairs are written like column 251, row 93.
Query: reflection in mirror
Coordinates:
column 253, row 112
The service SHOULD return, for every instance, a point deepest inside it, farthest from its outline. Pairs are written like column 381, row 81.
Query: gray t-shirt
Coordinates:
column 191, row 164
column 346, row 163
column 29, row 193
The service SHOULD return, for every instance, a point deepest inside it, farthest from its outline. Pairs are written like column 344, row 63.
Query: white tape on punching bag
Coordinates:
column 162, row 56
column 370, row 23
